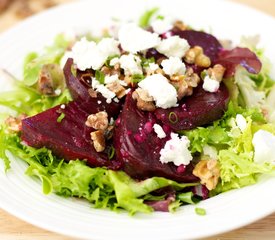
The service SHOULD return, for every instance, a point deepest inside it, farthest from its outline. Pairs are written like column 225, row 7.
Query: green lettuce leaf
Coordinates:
column 102, row 187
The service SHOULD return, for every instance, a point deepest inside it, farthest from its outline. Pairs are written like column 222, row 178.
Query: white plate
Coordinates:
column 21, row 195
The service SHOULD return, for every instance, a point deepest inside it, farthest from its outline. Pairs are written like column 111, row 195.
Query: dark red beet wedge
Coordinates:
column 69, row 139
column 197, row 110
column 79, row 90
column 138, row 146
column 211, row 46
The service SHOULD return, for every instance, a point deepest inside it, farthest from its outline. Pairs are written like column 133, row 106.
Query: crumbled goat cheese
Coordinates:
column 109, row 47
column 109, row 95
column 114, row 61
column 134, row 39
column 153, row 66
column 241, row 122
column 173, row 47
column 161, row 26
column 159, row 131
column 62, row 106
column 88, row 54
column 114, row 78
column 57, row 92
column 131, row 64
column 264, row 143
column 176, row 151
column 210, row 85
column 158, row 87
column 173, row 66
column 210, row 151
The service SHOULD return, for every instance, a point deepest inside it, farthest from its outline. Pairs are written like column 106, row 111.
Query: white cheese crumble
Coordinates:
column 88, row 54
column 114, row 61
column 131, row 64
column 58, row 92
column 134, row 39
column 153, row 66
column 114, row 78
column 159, row 131
column 109, row 95
column 210, row 85
column 158, row 87
column 161, row 26
column 241, row 122
column 173, row 66
column 176, row 151
column 62, row 106
column 210, row 151
column 173, row 47
column 264, row 143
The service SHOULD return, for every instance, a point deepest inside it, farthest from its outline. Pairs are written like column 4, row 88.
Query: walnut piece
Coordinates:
column 185, row 83
column 216, row 72
column 116, row 88
column 196, row 55
column 180, row 25
column 209, row 172
column 98, row 121
column 92, row 93
column 144, row 101
column 98, row 140
column 15, row 123
column 111, row 71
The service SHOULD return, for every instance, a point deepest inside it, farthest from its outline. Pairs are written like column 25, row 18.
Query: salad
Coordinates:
column 148, row 117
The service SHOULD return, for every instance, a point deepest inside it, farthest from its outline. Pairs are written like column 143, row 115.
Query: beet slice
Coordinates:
column 208, row 42
column 69, row 139
column 231, row 59
column 197, row 110
column 138, row 146
column 211, row 46
column 79, row 90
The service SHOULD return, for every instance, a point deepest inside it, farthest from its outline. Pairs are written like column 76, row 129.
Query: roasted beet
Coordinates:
column 69, row 139
column 211, row 46
column 230, row 59
column 138, row 146
column 80, row 89
column 197, row 110
column 208, row 42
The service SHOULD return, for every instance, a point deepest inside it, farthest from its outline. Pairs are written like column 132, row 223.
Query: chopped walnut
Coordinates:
column 144, row 101
column 180, row 25
column 192, row 78
column 185, row 83
column 98, row 140
column 98, row 121
column 209, row 172
column 15, row 123
column 51, row 80
column 196, row 55
column 92, row 93
column 216, row 72
column 116, row 88
column 111, row 71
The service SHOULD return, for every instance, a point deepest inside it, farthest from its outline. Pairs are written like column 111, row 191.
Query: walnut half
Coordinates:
column 98, row 121
column 98, row 139
column 144, row 101
column 209, row 172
